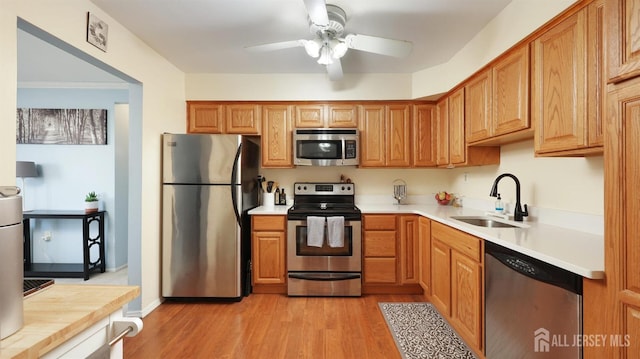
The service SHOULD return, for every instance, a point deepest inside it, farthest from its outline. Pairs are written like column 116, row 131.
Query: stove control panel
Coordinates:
column 324, row 189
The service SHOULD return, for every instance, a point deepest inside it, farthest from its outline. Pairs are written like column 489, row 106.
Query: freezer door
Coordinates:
column 198, row 159
column 200, row 242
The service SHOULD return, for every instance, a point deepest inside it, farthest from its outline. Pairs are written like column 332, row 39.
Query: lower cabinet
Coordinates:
column 424, row 256
column 268, row 254
column 390, row 254
column 457, row 281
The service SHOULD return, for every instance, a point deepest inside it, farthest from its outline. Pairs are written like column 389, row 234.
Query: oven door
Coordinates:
column 301, row 257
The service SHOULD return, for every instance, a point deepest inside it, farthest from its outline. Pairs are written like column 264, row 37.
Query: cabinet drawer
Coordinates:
column 460, row 241
column 380, row 244
column 268, row 223
column 380, row 222
column 379, row 270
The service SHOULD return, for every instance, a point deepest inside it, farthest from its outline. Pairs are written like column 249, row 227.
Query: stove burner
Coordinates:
column 324, row 199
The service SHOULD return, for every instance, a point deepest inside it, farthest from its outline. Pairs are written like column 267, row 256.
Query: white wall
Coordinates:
column 519, row 19
column 162, row 109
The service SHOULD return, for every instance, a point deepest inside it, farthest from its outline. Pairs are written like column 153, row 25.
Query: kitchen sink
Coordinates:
column 485, row 221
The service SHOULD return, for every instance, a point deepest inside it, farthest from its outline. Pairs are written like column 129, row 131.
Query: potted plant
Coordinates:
column 91, row 202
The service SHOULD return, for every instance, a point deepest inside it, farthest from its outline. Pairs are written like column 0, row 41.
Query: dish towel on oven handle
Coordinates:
column 315, row 231
column 335, row 231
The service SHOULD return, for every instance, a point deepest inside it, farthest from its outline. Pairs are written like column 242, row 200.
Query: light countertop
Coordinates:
column 578, row 252
column 57, row 313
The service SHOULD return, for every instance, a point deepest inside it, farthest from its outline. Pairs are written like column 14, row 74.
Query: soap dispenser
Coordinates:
column 499, row 205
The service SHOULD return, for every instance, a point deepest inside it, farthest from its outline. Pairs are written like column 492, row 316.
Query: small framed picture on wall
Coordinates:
column 97, row 32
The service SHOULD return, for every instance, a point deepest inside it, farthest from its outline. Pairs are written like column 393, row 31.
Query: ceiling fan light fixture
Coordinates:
column 339, row 48
column 325, row 56
column 312, row 47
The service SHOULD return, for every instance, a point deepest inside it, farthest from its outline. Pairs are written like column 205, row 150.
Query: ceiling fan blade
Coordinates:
column 317, row 10
column 335, row 70
column 379, row 45
column 275, row 46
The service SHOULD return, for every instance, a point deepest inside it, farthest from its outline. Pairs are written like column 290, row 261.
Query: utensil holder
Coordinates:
column 268, row 200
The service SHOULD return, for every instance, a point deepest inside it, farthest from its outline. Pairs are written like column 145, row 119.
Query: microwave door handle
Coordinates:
column 344, row 154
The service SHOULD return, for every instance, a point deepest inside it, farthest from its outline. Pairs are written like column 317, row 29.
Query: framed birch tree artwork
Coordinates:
column 61, row 126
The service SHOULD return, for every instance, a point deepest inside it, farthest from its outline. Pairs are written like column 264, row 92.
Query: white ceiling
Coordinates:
column 209, row 36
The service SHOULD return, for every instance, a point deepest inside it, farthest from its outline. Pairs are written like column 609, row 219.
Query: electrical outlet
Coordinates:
column 46, row 236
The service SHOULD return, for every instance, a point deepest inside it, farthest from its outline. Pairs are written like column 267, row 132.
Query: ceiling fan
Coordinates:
column 327, row 22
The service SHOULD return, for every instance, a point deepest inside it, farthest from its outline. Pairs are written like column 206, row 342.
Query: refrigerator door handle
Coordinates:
column 234, row 178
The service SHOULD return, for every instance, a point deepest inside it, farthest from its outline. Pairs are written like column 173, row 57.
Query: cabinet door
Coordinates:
column 342, row 115
column 442, row 136
column 243, row 119
column 441, row 276
column 424, row 247
column 205, row 117
column 310, row 116
column 398, row 144
column 623, row 19
column 268, row 257
column 466, row 288
column 372, row 136
column 409, row 254
column 457, row 143
column 276, row 136
column 558, row 95
column 622, row 205
column 510, row 109
column 424, row 135
column 596, row 87
column 477, row 107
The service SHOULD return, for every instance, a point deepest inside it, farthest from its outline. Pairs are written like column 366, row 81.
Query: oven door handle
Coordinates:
column 325, row 276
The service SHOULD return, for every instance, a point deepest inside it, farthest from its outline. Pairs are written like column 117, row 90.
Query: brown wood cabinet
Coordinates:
column 424, row 258
column 326, row 115
column 215, row 117
column 623, row 39
column 409, row 249
column 385, row 139
column 566, row 95
column 452, row 147
column 424, row 130
column 268, row 257
column 622, row 226
column 205, row 117
column 497, row 101
column 277, row 136
column 457, row 281
column 477, row 107
column 390, row 254
column 380, row 249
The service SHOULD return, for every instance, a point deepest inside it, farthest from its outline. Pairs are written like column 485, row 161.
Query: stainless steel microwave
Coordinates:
column 325, row 147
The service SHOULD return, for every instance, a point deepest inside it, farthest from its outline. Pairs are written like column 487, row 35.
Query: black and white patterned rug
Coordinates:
column 420, row 332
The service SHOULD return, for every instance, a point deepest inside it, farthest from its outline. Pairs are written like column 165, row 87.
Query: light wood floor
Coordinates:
column 268, row 326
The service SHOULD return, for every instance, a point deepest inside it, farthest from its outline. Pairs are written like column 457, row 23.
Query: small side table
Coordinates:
column 66, row 270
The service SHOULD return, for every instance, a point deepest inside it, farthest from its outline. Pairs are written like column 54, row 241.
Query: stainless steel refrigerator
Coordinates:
column 209, row 185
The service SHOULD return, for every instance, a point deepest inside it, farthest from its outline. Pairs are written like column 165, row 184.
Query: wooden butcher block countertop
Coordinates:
column 57, row 313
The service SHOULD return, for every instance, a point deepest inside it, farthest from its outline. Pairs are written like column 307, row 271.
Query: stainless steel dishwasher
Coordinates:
column 533, row 308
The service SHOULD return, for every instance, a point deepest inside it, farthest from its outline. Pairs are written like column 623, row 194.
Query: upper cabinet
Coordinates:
column 216, row 117
column 277, row 136
column 567, row 85
column 623, row 18
column 452, row 148
column 497, row 101
column 424, row 129
column 205, row 117
column 326, row 115
column 385, row 139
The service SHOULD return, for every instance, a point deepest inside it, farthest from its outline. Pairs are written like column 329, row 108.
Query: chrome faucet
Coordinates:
column 518, row 213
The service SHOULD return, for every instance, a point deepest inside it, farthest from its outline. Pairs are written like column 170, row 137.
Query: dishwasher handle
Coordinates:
column 535, row 268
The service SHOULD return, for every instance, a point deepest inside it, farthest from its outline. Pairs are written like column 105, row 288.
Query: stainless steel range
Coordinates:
column 324, row 241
